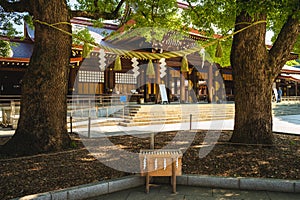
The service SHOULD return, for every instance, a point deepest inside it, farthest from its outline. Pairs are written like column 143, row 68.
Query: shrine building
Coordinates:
column 97, row 74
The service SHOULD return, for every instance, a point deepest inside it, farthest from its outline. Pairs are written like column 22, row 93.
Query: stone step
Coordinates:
column 144, row 123
column 84, row 124
column 200, row 116
column 151, row 119
column 158, row 114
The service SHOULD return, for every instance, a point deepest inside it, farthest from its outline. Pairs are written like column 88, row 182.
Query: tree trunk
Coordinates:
column 253, row 83
column 42, row 125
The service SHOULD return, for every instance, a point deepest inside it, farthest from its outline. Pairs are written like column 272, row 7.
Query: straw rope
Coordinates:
column 144, row 55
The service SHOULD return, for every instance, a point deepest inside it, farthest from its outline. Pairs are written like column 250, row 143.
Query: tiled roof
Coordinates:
column 21, row 49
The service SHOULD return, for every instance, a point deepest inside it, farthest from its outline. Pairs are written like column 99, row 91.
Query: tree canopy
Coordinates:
column 209, row 17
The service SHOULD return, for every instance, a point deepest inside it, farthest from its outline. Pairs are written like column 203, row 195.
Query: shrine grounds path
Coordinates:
column 189, row 186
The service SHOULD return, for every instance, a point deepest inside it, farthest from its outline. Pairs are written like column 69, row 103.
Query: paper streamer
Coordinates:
column 202, row 53
column 162, row 67
column 102, row 60
column 135, row 67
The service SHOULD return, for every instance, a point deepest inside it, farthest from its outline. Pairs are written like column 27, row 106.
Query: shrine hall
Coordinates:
column 137, row 79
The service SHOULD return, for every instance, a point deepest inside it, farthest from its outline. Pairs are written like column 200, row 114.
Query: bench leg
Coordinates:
column 147, row 183
column 174, row 177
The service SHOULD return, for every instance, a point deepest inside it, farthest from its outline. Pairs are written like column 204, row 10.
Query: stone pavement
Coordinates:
column 206, row 188
column 158, row 192
column 188, row 187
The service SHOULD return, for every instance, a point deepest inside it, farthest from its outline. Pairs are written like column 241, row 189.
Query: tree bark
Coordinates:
column 254, row 71
column 42, row 123
column 253, row 83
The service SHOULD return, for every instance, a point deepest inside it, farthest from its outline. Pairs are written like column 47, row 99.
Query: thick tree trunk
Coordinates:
column 42, row 125
column 253, row 84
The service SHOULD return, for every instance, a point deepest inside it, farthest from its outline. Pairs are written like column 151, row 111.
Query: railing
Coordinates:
column 9, row 110
column 96, row 106
column 290, row 98
column 80, row 106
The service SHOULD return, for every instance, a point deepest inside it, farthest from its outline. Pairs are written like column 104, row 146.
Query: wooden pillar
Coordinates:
column 147, row 182
column 175, row 85
column 195, row 88
column 109, row 80
column 144, row 83
column 182, row 87
column 174, row 176
column 168, row 81
column 157, row 82
column 296, row 88
column 210, row 83
column 73, row 79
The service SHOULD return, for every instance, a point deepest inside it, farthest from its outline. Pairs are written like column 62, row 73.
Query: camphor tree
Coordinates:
column 254, row 67
column 42, row 125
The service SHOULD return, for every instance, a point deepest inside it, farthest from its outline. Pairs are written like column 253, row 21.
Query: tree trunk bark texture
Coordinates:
column 253, row 84
column 42, row 124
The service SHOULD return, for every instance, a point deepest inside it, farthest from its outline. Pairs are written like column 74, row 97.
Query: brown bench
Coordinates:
column 161, row 162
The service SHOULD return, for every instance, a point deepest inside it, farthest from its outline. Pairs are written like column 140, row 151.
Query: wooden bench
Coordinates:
column 161, row 162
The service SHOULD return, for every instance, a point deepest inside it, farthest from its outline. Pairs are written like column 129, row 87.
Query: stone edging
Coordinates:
column 105, row 187
column 89, row 190
column 240, row 183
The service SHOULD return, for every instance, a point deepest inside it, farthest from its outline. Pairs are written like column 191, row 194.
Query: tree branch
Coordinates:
column 20, row 6
column 193, row 9
column 118, row 7
column 104, row 15
column 96, row 6
column 283, row 45
column 126, row 14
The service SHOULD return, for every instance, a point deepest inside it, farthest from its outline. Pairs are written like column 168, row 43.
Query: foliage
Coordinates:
column 224, row 61
column 156, row 13
column 278, row 17
column 292, row 62
column 4, row 48
column 83, row 37
column 29, row 22
column 96, row 6
column 8, row 20
column 207, row 15
column 218, row 17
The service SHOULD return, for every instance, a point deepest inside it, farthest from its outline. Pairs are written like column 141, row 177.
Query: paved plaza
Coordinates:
column 283, row 122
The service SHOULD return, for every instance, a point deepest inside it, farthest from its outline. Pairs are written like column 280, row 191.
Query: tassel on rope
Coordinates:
column 184, row 64
column 219, row 50
column 118, row 66
column 150, row 69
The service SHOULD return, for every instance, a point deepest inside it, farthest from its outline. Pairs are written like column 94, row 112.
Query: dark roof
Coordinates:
column 21, row 49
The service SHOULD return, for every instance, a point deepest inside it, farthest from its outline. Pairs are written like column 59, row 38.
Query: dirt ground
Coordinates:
column 205, row 153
